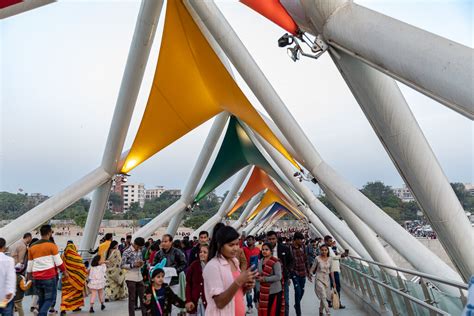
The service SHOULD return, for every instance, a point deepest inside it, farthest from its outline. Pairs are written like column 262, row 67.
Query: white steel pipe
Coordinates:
column 363, row 232
column 140, row 47
column 204, row 156
column 95, row 215
column 251, row 225
column 384, row 225
column 326, row 216
column 251, row 205
column 435, row 66
column 137, row 59
column 53, row 206
column 226, row 204
column 392, row 120
column 164, row 217
column 173, row 225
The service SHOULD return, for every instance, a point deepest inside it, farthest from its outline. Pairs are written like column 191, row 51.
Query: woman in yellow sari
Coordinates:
column 72, row 295
column 115, row 286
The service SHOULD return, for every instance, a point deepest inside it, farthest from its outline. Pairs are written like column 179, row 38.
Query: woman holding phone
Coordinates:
column 224, row 282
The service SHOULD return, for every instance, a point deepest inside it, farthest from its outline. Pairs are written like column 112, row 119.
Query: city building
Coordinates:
column 133, row 193
column 37, row 198
column 154, row 193
column 404, row 194
column 469, row 187
column 174, row 192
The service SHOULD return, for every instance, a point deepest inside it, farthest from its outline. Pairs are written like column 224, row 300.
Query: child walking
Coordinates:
column 97, row 282
column 159, row 297
column 21, row 286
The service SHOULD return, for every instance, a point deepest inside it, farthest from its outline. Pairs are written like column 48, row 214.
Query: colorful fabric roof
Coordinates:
column 258, row 181
column 190, row 86
column 237, row 151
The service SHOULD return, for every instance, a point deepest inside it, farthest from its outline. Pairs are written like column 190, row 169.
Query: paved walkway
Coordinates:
column 310, row 306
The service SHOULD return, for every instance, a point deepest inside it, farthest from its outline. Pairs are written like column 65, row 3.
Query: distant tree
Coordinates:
column 12, row 205
column 409, row 211
column 195, row 221
column 466, row 200
column 394, row 213
column 381, row 194
column 80, row 219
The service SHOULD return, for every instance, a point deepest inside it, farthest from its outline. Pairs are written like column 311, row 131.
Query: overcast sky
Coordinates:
column 61, row 67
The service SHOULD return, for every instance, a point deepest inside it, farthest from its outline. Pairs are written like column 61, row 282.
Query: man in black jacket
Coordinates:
column 282, row 252
column 175, row 258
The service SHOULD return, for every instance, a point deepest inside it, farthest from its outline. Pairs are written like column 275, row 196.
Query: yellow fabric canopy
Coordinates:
column 269, row 198
column 258, row 181
column 190, row 86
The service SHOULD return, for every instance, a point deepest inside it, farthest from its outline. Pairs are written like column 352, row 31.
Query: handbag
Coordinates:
column 335, row 300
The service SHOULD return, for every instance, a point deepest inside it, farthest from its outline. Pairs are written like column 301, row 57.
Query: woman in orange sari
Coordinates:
column 72, row 295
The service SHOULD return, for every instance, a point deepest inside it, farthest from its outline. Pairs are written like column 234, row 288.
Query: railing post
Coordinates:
column 463, row 298
column 361, row 276
column 389, row 294
column 404, row 289
column 426, row 292
column 377, row 290
column 369, row 289
column 350, row 278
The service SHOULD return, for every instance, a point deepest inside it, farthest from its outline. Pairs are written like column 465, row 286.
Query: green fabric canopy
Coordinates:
column 236, row 152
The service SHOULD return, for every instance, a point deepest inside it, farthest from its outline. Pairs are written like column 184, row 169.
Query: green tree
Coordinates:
column 381, row 194
column 12, row 205
column 394, row 213
column 80, row 219
column 195, row 221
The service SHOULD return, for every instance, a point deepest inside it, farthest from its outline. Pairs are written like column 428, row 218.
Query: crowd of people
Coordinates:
column 229, row 274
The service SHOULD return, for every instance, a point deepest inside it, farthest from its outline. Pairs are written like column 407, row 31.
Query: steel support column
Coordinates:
column 392, row 120
column 246, row 212
column 140, row 47
column 383, row 224
column 53, row 206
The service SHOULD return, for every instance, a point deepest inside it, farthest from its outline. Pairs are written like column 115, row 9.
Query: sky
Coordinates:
column 61, row 67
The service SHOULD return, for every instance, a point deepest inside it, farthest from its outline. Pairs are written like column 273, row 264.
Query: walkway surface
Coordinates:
column 310, row 306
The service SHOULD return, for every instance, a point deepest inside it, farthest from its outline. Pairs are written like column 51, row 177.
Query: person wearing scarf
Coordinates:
column 72, row 295
column 272, row 302
column 115, row 287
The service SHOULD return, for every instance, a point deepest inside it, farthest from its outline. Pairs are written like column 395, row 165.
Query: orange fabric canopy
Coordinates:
column 268, row 199
column 275, row 12
column 258, row 181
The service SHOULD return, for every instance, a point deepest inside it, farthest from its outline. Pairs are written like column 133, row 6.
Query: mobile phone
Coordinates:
column 254, row 262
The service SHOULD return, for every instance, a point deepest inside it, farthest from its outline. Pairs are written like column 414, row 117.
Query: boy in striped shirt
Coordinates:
column 43, row 264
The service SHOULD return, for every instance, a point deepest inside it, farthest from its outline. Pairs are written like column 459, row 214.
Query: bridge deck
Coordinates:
column 310, row 306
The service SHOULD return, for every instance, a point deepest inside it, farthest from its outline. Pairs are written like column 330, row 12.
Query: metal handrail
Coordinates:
column 457, row 284
column 411, row 298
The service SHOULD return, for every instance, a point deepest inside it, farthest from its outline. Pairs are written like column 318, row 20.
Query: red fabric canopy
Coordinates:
column 274, row 11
